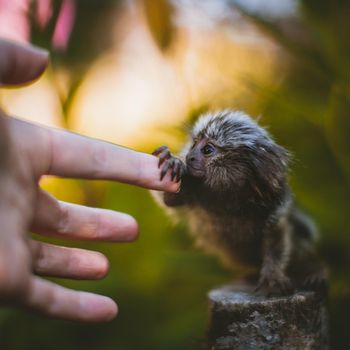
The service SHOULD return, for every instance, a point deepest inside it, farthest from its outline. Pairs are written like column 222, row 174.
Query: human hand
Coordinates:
column 27, row 152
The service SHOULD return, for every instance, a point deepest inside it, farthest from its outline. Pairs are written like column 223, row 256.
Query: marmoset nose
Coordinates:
column 190, row 158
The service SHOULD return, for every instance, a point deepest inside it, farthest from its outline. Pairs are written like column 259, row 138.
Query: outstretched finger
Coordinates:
column 67, row 220
column 56, row 301
column 80, row 157
column 62, row 153
column 56, row 261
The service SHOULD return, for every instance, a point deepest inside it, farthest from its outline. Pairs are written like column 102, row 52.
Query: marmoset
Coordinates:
column 236, row 199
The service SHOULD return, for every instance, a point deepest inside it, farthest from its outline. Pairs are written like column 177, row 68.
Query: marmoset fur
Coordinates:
column 235, row 196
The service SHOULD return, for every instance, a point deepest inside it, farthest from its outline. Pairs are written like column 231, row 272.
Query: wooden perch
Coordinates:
column 243, row 320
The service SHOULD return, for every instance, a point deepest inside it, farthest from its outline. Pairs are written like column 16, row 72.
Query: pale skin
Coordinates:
column 29, row 151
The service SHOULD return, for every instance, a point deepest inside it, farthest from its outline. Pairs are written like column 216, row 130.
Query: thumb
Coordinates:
column 20, row 64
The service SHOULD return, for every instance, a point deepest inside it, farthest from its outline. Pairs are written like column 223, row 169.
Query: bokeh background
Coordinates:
column 136, row 72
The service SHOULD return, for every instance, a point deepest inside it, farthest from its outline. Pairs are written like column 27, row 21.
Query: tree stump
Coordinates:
column 243, row 320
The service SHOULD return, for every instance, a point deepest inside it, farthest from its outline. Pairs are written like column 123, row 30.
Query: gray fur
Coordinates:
column 239, row 206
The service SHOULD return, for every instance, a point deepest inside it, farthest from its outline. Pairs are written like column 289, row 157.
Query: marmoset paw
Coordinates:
column 273, row 286
column 169, row 162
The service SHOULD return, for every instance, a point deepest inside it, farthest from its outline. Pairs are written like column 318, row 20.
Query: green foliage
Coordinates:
column 160, row 282
column 159, row 18
column 310, row 114
column 91, row 34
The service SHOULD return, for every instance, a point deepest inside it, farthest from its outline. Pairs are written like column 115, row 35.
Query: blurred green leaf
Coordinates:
column 91, row 34
column 159, row 18
column 309, row 112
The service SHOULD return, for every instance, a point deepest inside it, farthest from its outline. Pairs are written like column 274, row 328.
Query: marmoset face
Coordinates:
column 230, row 151
column 202, row 152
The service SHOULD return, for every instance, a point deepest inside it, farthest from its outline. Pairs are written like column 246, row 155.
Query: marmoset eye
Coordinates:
column 208, row 149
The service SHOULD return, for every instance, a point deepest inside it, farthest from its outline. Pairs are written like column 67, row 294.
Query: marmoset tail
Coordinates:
column 235, row 196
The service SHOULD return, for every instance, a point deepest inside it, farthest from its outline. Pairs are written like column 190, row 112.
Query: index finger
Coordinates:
column 77, row 156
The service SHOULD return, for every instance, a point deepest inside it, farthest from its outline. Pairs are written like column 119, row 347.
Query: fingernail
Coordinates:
column 38, row 51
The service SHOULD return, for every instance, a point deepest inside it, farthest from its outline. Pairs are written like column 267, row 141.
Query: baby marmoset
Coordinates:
column 235, row 195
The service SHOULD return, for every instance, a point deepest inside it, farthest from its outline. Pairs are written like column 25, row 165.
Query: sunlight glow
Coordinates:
column 37, row 102
column 135, row 92
column 138, row 96
column 128, row 91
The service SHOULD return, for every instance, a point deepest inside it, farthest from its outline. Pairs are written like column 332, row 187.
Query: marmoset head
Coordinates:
column 230, row 151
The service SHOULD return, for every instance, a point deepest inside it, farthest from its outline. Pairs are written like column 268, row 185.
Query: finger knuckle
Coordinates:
column 63, row 224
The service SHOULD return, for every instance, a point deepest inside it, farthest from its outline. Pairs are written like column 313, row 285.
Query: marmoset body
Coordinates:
column 235, row 196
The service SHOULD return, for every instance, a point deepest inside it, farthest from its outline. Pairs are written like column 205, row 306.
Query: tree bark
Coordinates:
column 243, row 320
